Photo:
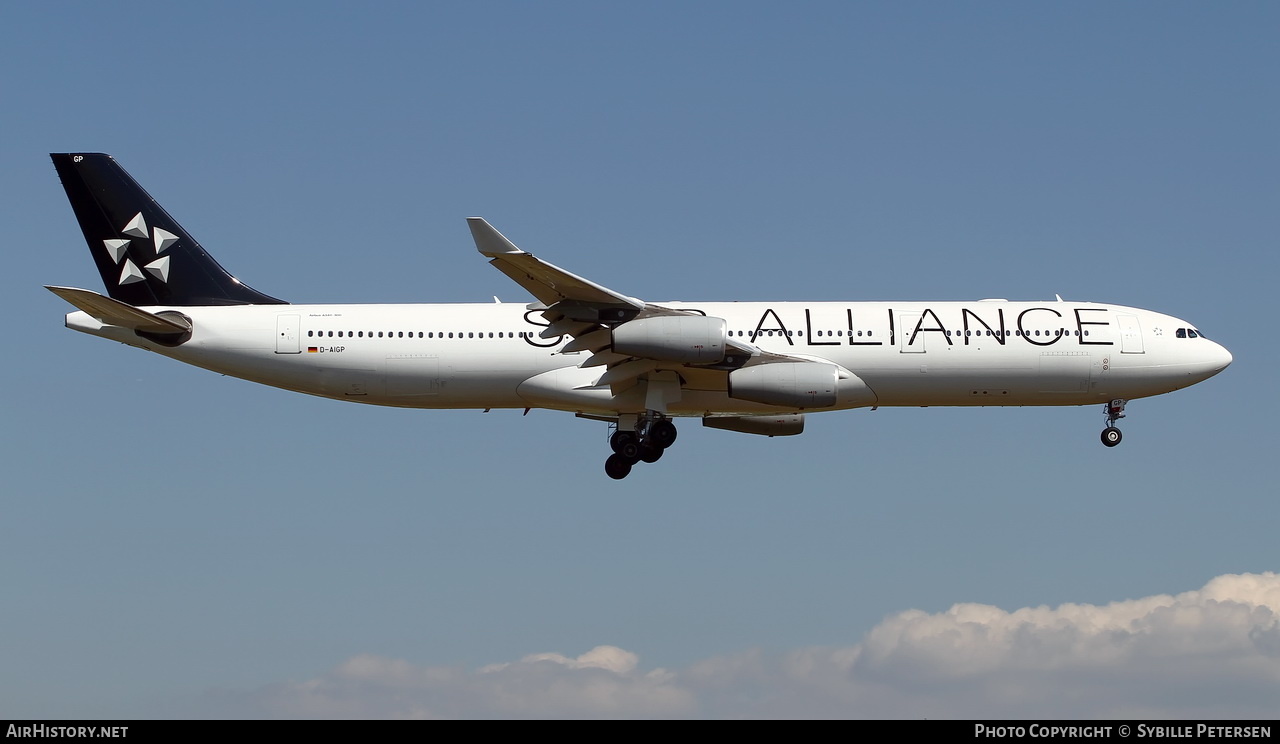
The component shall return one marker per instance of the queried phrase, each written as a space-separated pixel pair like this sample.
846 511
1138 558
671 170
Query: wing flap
602 358
567 327
627 371
592 341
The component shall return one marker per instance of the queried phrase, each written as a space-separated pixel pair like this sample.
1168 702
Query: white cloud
601 657
600 683
1213 653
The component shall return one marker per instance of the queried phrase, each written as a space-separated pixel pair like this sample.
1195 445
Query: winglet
489 241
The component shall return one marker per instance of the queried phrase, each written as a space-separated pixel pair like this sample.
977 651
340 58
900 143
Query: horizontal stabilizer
117 313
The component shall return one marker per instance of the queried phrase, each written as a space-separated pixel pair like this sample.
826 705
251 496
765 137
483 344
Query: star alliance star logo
118 249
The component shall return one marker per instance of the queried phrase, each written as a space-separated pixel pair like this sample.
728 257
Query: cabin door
1130 334
287 334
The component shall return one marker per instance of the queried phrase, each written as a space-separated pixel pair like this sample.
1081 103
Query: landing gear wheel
663 433
617 467
624 443
1111 436
650 452
619 438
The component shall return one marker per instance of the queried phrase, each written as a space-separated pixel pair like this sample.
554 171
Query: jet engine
787 384
688 339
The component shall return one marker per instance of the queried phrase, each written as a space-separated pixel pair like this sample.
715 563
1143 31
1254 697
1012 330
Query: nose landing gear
652 436
1111 436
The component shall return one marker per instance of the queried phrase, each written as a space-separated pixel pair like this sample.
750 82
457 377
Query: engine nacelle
690 339
783 425
787 384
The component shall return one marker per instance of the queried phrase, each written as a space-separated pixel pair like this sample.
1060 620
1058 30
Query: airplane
579 347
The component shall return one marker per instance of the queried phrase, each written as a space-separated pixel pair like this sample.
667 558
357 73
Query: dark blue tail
144 256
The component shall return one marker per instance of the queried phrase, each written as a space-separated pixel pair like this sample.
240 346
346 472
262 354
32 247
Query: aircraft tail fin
144 256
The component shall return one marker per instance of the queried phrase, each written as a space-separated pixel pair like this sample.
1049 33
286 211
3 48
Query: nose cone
1211 359
1221 358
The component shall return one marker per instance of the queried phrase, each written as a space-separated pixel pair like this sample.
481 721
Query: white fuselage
990 352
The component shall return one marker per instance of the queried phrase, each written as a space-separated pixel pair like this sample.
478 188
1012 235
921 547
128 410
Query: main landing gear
652 436
1111 436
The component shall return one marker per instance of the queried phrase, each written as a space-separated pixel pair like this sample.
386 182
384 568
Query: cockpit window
1192 333
1182 333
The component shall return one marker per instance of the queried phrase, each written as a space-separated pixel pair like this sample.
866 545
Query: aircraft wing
550 284
587 312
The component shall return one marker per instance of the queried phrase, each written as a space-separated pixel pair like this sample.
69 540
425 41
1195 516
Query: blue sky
176 543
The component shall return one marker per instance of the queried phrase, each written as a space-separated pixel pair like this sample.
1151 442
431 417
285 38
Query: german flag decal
313 349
